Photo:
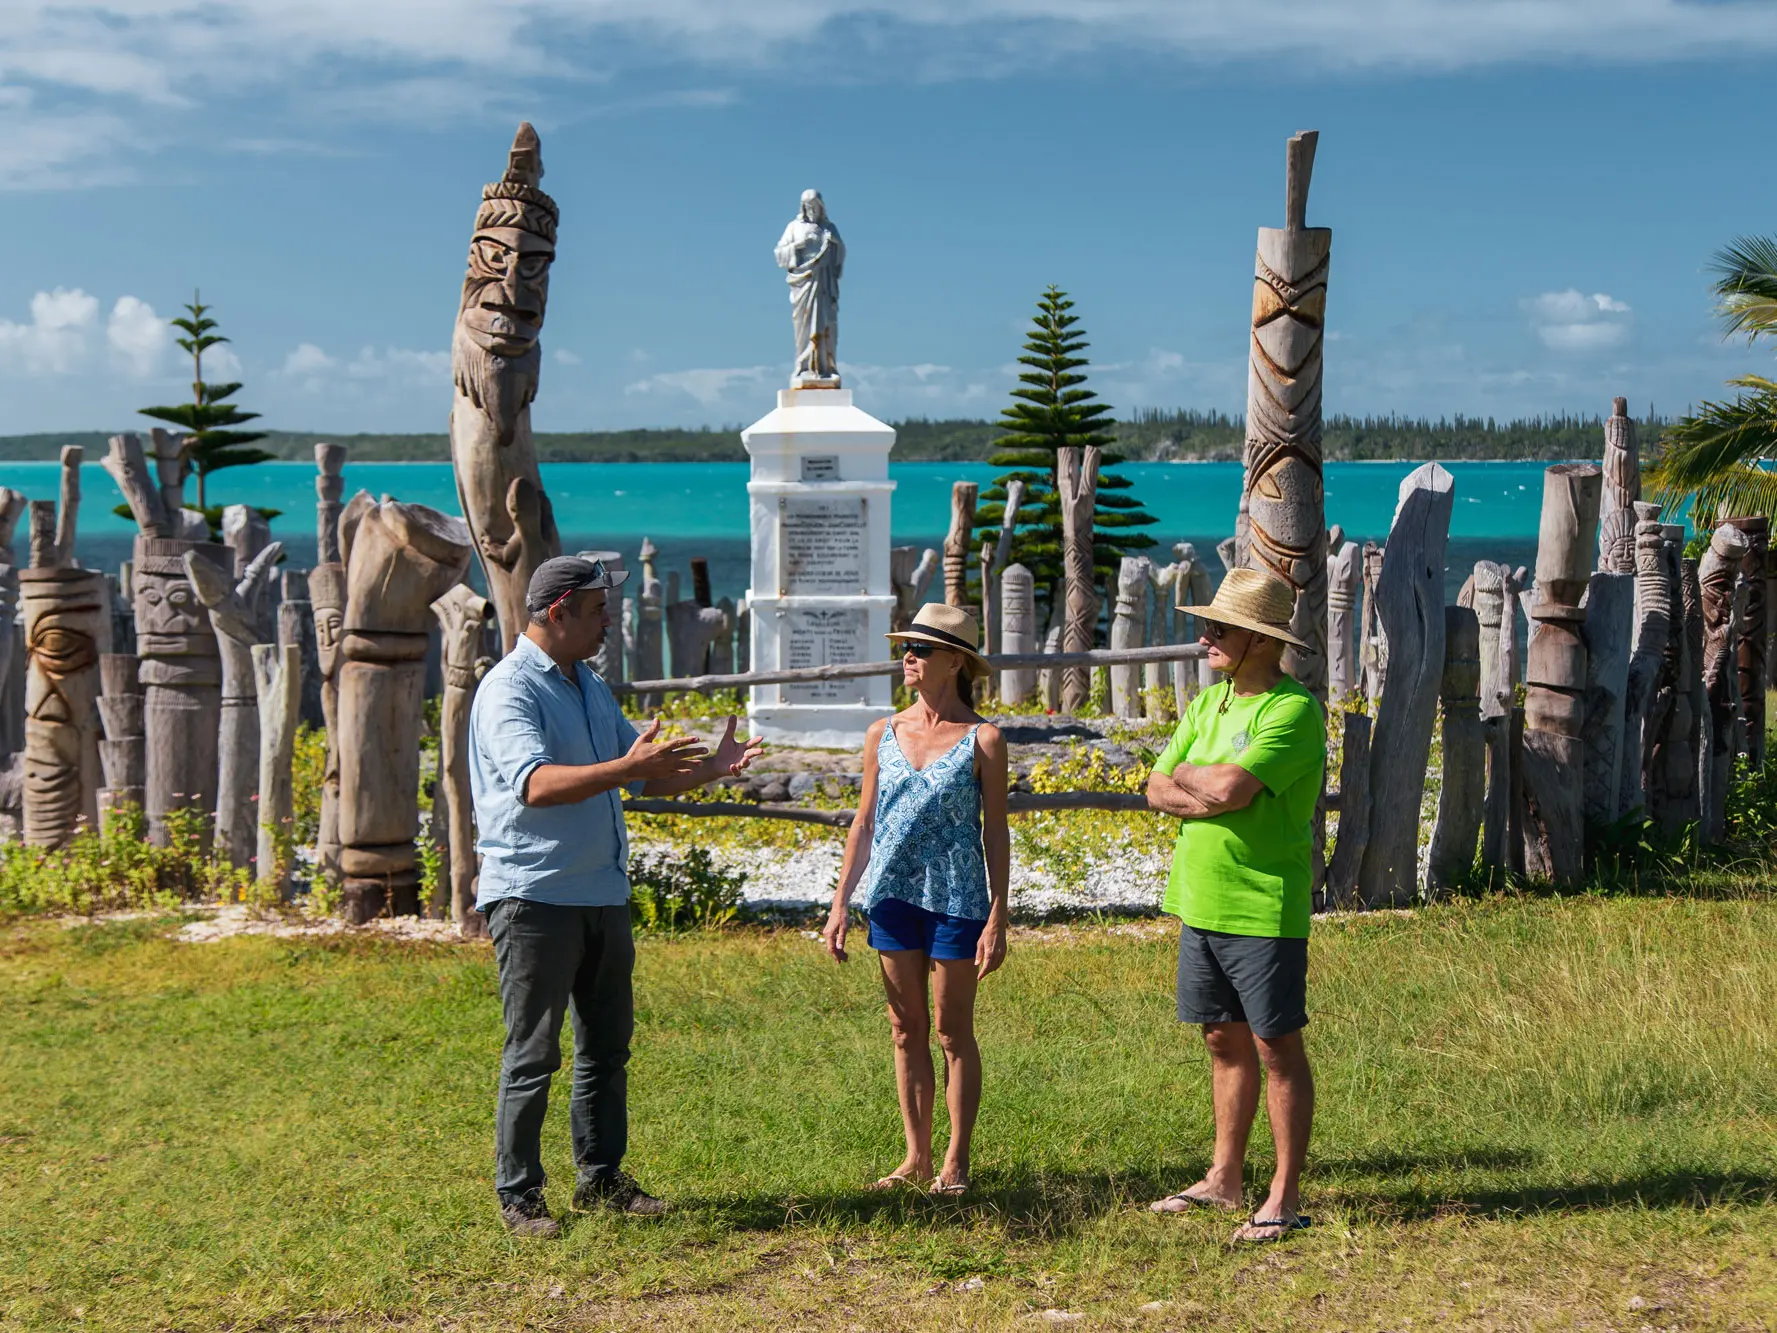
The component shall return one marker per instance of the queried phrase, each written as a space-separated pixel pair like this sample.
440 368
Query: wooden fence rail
1168 652
1018 802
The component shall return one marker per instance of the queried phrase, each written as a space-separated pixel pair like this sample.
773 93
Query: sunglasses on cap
598 576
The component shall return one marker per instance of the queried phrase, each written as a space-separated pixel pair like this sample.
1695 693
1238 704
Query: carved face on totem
328 623
167 604
506 290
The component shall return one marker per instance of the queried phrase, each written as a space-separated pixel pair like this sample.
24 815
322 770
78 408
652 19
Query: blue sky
1524 196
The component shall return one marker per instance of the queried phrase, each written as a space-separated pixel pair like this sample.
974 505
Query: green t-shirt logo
1239 743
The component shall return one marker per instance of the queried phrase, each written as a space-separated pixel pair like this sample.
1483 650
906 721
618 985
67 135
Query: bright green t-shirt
1247 872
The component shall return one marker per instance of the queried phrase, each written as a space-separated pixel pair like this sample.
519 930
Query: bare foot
1204 1194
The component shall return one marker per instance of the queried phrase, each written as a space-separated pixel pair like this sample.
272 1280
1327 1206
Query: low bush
119 869
672 891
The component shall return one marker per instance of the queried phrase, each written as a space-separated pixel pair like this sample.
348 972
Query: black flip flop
1286 1225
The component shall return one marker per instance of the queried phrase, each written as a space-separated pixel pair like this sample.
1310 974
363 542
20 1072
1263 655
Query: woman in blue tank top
931 849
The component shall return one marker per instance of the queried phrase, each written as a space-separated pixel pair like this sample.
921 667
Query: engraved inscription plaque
820 467
823 546
817 638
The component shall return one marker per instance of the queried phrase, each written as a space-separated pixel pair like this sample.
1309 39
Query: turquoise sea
700 509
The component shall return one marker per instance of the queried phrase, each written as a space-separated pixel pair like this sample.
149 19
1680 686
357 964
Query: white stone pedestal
820 588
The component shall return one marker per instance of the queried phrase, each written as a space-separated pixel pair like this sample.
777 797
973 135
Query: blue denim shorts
896 925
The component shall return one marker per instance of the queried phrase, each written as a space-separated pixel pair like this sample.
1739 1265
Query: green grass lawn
1533 1114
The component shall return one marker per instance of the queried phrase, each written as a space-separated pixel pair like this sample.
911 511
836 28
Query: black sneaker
529 1216
619 1193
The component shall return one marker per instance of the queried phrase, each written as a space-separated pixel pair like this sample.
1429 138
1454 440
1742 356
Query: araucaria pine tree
1052 409
210 446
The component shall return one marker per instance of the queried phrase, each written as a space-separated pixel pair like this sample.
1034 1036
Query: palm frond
1743 490
1700 449
1747 285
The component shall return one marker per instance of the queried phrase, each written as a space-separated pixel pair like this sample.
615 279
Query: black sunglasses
920 649
1215 629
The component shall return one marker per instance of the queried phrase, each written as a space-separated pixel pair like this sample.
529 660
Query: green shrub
119 870
670 891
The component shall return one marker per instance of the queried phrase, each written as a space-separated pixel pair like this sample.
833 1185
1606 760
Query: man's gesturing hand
650 759
733 756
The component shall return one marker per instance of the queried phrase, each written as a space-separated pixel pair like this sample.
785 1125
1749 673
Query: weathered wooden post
330 489
1555 675
1156 677
1283 502
1622 488
495 363
1653 631
1372 642
957 543
235 615
1717 573
1077 473
649 659
68 512
1018 634
461 613
1410 612
1677 722
1195 587
296 628
123 752
1461 797
1127 619
1355 813
67 619
1608 633
1750 643
990 619
1495 612
910 574
399 560
277 676
1345 579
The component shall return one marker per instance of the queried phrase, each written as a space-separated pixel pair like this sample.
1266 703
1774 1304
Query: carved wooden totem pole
1608 633
1460 799
1345 579
1555 675
67 615
1622 488
495 362
1752 639
123 754
1018 631
1410 611
327 598
1653 632
911 572
1077 472
1283 503
235 614
399 560
1127 620
461 614
1489 592
1676 714
956 545
1195 586
1372 641
1717 574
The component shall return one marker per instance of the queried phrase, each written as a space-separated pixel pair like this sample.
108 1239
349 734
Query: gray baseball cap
565 575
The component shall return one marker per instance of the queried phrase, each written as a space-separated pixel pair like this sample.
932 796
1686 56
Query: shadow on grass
1050 1205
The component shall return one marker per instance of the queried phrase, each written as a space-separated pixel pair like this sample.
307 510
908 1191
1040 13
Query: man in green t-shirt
1242 774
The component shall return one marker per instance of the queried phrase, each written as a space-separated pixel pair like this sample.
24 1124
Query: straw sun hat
1255 600
948 627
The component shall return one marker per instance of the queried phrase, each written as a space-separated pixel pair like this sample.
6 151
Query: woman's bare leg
953 987
904 980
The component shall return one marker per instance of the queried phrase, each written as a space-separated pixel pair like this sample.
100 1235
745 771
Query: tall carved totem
1282 525
67 614
495 361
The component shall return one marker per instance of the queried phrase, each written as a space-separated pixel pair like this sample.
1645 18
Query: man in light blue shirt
549 750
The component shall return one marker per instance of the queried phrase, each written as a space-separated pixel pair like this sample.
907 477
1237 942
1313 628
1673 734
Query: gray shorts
1249 979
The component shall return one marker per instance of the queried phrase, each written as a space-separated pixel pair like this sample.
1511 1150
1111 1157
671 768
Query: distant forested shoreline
1149 435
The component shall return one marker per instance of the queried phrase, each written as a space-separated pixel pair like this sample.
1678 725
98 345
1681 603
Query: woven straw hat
1255 600
948 627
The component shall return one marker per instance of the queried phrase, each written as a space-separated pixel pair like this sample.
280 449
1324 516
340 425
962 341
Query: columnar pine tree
1052 410
209 446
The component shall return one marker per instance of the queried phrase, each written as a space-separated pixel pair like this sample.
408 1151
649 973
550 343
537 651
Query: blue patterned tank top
926 849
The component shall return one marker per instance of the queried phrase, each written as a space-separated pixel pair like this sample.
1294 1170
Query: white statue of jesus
814 256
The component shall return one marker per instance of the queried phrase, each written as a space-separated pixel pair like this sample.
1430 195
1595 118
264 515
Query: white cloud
400 365
708 387
221 364
55 341
78 77
563 357
1571 321
138 337
306 360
